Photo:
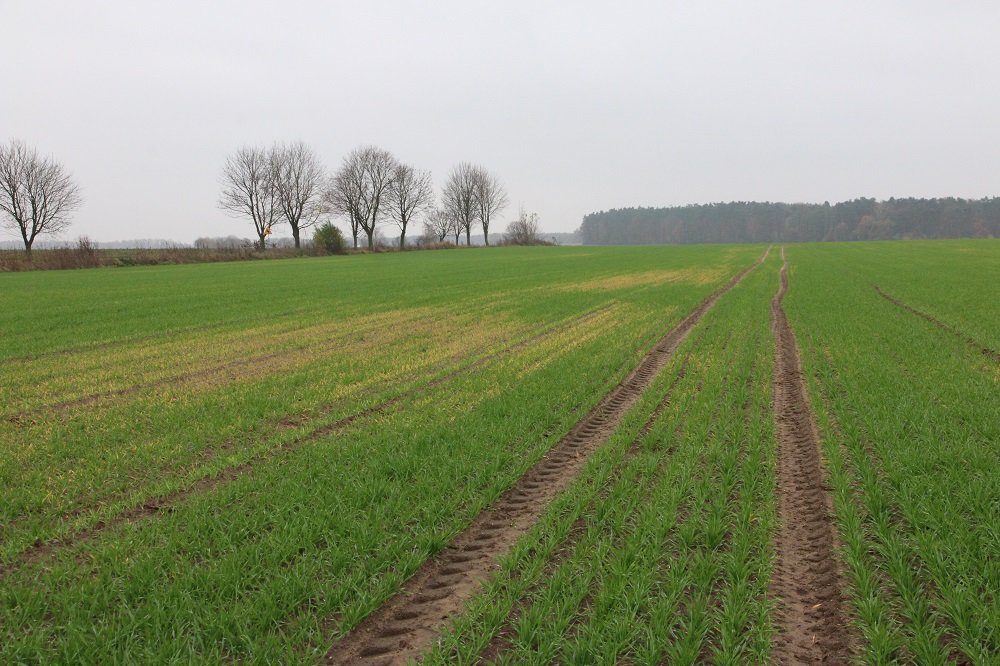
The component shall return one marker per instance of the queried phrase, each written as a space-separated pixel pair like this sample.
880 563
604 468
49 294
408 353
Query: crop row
252 487
295 550
100 460
47 314
66 469
956 282
660 551
909 417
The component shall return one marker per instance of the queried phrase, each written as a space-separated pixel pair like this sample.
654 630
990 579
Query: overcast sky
577 106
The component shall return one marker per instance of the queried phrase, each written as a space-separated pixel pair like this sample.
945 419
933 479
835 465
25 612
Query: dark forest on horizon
766 222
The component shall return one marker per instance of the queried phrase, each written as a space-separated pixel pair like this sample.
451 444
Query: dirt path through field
811 623
410 621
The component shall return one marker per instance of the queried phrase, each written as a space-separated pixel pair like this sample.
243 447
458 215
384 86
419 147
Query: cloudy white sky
577 106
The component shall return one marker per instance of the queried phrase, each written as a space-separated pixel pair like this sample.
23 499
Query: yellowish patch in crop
581 332
401 352
646 279
399 346
108 374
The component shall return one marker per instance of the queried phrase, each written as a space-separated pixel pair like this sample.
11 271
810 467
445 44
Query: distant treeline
753 222
137 243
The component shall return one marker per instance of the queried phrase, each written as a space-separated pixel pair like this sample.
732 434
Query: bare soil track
812 626
985 351
507 632
409 622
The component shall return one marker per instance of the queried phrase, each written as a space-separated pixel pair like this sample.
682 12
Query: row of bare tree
282 184
287 184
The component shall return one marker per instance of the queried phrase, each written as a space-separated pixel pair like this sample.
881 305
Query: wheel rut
409 622
806 584
985 351
501 642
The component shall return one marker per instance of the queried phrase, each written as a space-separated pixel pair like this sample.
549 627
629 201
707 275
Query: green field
246 462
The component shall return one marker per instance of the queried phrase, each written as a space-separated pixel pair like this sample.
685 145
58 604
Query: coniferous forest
756 222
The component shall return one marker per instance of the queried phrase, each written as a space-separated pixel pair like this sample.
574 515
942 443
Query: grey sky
577 106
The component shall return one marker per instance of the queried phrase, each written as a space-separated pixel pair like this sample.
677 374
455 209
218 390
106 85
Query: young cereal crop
910 417
249 484
660 551
578 455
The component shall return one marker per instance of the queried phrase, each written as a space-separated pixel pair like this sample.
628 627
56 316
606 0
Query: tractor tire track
862 459
42 549
507 633
806 584
407 623
985 351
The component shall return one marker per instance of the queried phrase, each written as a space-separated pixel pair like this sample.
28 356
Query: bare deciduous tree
248 190
358 189
343 194
409 193
490 198
458 198
523 230
438 224
298 177
37 194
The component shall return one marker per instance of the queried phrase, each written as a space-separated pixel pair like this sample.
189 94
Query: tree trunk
468 236
295 235
371 242
402 240
486 236
263 243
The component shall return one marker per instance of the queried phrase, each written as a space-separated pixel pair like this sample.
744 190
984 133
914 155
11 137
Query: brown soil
410 621
985 351
42 549
806 584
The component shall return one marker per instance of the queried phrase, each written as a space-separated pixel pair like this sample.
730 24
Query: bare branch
248 190
342 195
358 189
298 177
458 198
438 224
37 194
523 230
410 193
490 198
